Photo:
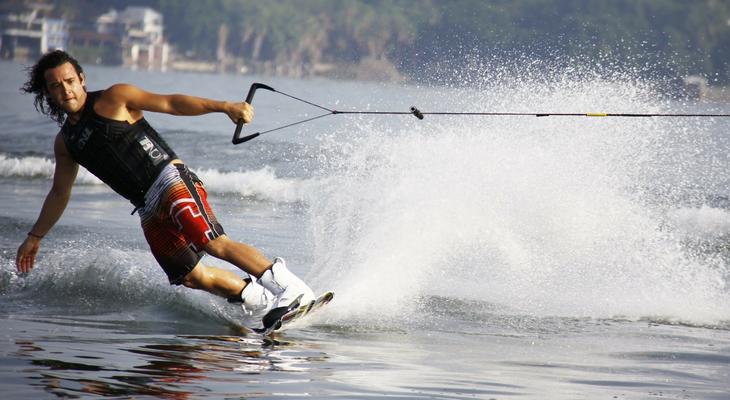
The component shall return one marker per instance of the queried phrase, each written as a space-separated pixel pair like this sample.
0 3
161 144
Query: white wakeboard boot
289 291
255 301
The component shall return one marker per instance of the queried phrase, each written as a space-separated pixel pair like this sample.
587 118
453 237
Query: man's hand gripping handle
249 98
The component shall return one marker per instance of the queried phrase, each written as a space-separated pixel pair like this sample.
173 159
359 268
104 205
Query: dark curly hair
36 83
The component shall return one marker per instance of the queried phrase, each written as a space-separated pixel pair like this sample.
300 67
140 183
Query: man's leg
254 299
217 281
187 205
275 277
241 255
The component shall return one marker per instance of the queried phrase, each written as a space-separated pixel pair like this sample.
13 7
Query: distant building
94 47
139 30
27 36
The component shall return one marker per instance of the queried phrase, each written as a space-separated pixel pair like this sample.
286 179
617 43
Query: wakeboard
279 321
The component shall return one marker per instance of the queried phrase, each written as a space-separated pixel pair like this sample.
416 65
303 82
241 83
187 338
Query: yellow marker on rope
596 115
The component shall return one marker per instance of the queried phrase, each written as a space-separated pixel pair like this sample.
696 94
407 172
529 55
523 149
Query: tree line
674 37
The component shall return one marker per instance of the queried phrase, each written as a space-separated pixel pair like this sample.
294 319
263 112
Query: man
105 131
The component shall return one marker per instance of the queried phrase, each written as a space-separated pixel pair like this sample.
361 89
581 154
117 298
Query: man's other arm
53 207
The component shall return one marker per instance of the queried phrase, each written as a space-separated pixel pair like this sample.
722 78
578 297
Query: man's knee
218 246
195 278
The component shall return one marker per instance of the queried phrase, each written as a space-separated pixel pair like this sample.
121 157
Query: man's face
65 88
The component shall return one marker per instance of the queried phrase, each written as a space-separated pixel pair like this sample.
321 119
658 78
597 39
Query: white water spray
542 216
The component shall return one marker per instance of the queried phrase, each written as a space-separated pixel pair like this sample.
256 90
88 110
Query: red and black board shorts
177 221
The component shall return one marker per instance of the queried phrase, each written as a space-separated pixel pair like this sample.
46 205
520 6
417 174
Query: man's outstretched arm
53 207
124 102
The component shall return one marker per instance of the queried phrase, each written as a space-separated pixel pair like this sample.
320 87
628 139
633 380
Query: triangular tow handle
237 139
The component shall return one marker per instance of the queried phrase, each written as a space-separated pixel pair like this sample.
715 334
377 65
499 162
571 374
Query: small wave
26 167
38 168
262 184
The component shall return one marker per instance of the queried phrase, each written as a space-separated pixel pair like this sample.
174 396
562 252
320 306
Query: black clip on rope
416 112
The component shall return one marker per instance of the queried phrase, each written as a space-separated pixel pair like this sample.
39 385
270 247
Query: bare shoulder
119 93
114 102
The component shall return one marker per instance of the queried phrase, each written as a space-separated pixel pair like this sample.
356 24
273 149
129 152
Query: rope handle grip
237 139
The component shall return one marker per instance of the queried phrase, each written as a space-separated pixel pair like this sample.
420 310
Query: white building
140 29
27 36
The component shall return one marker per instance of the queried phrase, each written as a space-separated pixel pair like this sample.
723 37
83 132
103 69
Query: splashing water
545 216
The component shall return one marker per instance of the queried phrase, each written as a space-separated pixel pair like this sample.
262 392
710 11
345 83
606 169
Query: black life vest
127 157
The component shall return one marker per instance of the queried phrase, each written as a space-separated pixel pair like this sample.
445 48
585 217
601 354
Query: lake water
472 257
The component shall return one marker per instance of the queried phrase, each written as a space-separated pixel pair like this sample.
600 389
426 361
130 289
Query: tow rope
237 139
